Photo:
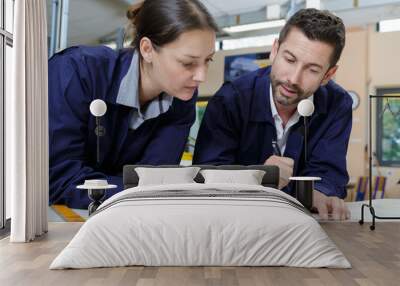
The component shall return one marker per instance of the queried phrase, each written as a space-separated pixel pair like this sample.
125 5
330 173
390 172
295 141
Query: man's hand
330 205
285 165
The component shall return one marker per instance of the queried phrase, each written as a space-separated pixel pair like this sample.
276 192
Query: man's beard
284 100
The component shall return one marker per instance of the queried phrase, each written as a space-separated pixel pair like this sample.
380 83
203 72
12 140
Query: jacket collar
261 107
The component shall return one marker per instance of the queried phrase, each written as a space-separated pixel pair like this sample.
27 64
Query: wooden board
375 256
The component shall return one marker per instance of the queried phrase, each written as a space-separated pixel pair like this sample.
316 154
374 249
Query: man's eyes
187 64
290 60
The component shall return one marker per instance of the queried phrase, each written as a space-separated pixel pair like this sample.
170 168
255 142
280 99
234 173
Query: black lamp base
97 196
304 193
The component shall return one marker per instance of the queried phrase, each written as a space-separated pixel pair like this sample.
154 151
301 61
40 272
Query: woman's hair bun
133 11
163 21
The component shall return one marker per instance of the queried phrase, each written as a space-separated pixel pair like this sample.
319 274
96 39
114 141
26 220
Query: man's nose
295 77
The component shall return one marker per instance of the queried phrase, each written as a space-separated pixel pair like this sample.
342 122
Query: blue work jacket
238 128
79 75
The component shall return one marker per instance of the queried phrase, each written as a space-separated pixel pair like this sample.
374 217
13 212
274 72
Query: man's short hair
318 25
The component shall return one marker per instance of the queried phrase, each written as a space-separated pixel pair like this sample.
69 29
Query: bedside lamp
97 188
98 108
305 108
304 186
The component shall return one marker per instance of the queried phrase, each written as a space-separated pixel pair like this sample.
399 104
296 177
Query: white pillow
166 176
248 177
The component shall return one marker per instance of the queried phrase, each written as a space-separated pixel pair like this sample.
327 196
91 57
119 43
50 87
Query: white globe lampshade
98 107
305 107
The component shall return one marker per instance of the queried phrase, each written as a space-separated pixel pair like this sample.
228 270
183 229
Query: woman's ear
146 49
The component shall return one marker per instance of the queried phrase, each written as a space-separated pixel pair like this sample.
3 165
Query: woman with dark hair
150 91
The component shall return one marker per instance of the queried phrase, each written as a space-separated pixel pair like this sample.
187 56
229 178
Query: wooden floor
374 255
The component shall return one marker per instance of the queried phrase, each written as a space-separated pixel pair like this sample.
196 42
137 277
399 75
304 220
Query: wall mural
238 65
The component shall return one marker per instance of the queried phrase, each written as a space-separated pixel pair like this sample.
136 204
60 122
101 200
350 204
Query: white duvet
183 230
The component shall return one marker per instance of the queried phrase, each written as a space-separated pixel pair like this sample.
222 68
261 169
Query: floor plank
374 255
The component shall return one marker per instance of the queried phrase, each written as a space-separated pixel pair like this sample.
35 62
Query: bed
224 216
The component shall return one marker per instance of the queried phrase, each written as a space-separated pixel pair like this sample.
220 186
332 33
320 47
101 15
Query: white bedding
183 230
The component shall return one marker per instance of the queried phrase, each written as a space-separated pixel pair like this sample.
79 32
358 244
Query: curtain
27 123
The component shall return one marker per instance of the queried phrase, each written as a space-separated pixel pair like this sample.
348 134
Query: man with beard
250 118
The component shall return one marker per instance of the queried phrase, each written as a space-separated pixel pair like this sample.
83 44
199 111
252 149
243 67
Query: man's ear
329 74
274 50
146 49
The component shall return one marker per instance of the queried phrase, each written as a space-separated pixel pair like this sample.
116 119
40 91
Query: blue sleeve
168 142
328 158
218 139
70 93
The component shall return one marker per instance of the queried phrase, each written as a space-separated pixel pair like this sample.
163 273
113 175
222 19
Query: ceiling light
389 25
250 42
255 26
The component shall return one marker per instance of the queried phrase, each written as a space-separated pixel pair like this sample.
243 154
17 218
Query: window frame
6 39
